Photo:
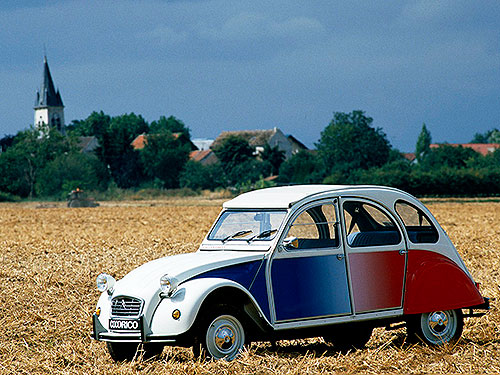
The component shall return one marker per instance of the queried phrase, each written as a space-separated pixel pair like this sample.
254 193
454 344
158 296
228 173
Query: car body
295 261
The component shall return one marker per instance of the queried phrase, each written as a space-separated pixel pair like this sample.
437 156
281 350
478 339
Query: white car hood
144 281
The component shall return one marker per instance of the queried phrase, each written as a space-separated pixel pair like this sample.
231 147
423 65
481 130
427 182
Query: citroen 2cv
291 262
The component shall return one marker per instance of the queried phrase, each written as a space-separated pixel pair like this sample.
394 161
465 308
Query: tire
346 337
437 327
221 335
127 351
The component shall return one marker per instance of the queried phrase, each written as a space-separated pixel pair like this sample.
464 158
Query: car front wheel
437 327
222 335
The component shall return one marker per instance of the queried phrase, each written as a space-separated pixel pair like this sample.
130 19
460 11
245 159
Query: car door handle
403 252
340 256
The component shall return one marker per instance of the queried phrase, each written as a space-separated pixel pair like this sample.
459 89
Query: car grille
126 306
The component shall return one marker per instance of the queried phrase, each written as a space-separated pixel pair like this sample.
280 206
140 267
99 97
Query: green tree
197 176
274 156
170 124
350 142
21 164
423 144
116 151
449 156
163 158
69 171
302 168
94 125
232 151
491 136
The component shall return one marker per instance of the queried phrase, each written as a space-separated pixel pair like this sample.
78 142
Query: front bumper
100 333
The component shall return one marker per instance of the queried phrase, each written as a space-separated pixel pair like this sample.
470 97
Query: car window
247 225
315 228
367 225
417 224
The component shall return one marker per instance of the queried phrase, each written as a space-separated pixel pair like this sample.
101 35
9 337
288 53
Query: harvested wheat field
51 256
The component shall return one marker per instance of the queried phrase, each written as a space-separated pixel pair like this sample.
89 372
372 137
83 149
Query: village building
259 138
49 107
481 148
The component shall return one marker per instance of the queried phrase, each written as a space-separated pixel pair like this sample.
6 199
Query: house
259 138
205 157
481 148
86 145
141 140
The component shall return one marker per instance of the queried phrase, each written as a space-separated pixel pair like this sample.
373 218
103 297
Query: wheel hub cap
224 338
438 322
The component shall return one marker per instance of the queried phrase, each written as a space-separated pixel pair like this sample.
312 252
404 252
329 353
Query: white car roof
285 196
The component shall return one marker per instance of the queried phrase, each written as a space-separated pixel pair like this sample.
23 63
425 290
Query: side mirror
291 243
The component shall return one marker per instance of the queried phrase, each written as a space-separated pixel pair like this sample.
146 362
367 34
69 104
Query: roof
482 148
297 142
199 155
47 96
253 137
87 144
142 139
409 156
279 197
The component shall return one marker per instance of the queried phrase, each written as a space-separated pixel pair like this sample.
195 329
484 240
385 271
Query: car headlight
168 284
105 283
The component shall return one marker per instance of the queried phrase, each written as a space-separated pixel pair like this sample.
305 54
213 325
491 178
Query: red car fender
434 282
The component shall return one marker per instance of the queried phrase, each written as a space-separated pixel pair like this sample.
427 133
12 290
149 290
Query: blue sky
234 65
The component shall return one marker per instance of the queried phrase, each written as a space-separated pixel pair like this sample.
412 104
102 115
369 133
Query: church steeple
49 107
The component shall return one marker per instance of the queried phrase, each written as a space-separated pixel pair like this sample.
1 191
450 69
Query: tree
491 136
350 142
94 125
448 156
302 168
117 153
69 171
170 124
232 151
274 156
423 144
163 158
21 164
197 176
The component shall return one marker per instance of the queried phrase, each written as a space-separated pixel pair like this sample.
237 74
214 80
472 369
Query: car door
376 253
308 274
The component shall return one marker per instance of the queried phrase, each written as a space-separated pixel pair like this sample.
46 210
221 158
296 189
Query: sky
235 65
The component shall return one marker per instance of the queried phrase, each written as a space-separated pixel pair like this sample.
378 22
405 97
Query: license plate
124 324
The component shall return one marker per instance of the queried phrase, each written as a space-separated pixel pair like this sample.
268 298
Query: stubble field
51 256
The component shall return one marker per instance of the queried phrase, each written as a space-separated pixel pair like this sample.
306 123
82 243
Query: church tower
49 108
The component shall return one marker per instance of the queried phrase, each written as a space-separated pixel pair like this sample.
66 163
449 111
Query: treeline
351 151
44 163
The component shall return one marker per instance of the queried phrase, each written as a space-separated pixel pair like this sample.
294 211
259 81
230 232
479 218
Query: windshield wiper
237 234
266 233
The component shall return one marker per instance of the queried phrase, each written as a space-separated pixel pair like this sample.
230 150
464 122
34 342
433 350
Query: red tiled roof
198 155
409 156
482 148
139 142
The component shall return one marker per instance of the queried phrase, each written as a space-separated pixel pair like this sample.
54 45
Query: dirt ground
50 257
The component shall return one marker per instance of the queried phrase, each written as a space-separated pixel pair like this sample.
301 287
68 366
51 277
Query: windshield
247 226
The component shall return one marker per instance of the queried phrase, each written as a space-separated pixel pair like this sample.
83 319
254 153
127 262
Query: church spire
49 107
47 96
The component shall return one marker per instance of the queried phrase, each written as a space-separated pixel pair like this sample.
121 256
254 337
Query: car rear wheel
221 335
437 327
127 351
349 336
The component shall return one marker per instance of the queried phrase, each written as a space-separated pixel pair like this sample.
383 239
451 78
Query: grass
50 257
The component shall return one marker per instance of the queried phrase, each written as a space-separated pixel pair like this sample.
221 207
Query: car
295 262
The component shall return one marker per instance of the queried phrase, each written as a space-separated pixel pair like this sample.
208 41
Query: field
51 256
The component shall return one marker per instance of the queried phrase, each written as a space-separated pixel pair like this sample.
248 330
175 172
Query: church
49 107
